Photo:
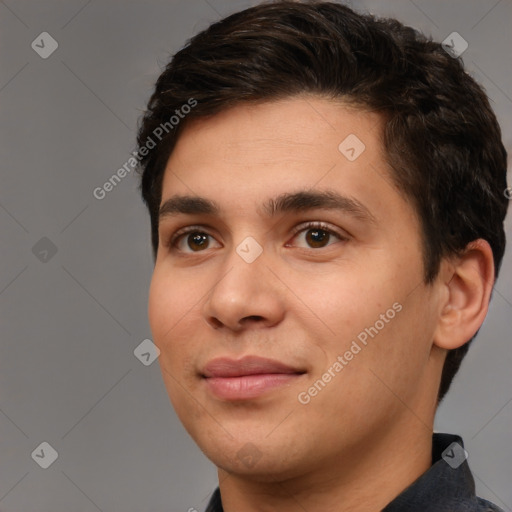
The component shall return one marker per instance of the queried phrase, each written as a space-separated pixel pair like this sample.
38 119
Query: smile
247 378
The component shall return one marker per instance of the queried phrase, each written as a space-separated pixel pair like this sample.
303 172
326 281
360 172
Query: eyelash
320 226
176 237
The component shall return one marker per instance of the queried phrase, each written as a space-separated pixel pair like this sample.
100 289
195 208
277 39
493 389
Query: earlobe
468 286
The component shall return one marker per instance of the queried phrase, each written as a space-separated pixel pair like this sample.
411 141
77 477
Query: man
326 192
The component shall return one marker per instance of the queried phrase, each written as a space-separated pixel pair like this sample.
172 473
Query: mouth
247 378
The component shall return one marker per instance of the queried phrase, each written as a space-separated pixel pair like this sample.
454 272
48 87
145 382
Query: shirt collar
447 486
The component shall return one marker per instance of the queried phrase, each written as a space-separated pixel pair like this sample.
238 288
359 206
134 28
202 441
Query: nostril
215 322
252 318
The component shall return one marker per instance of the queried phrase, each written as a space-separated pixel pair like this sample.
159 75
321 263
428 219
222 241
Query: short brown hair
442 139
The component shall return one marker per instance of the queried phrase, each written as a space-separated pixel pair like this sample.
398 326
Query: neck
365 479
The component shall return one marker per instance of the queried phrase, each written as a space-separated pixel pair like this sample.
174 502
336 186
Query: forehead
248 154
307 134
304 127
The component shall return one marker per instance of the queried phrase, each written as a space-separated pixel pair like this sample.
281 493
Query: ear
467 281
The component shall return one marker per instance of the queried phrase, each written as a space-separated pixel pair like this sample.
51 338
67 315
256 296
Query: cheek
373 315
344 303
395 358
171 322
170 300
173 318
160 309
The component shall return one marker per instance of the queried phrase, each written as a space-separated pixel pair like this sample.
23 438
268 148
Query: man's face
336 294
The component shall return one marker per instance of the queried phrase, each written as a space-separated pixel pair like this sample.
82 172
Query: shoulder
487 506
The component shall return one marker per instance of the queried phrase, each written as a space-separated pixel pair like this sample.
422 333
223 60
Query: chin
268 463
264 470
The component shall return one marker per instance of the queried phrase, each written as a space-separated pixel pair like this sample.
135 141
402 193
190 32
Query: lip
248 365
247 378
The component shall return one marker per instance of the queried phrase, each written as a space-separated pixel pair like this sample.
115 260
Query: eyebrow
302 200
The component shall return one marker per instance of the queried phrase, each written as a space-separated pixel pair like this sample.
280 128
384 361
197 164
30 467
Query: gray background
69 325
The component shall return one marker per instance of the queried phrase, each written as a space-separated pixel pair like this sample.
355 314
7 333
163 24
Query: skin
367 434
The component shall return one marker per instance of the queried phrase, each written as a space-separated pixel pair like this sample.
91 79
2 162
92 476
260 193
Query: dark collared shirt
448 485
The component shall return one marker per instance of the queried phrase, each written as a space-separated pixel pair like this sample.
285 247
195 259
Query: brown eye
197 241
191 239
317 237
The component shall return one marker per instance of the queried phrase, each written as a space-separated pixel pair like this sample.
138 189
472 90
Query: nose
246 294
